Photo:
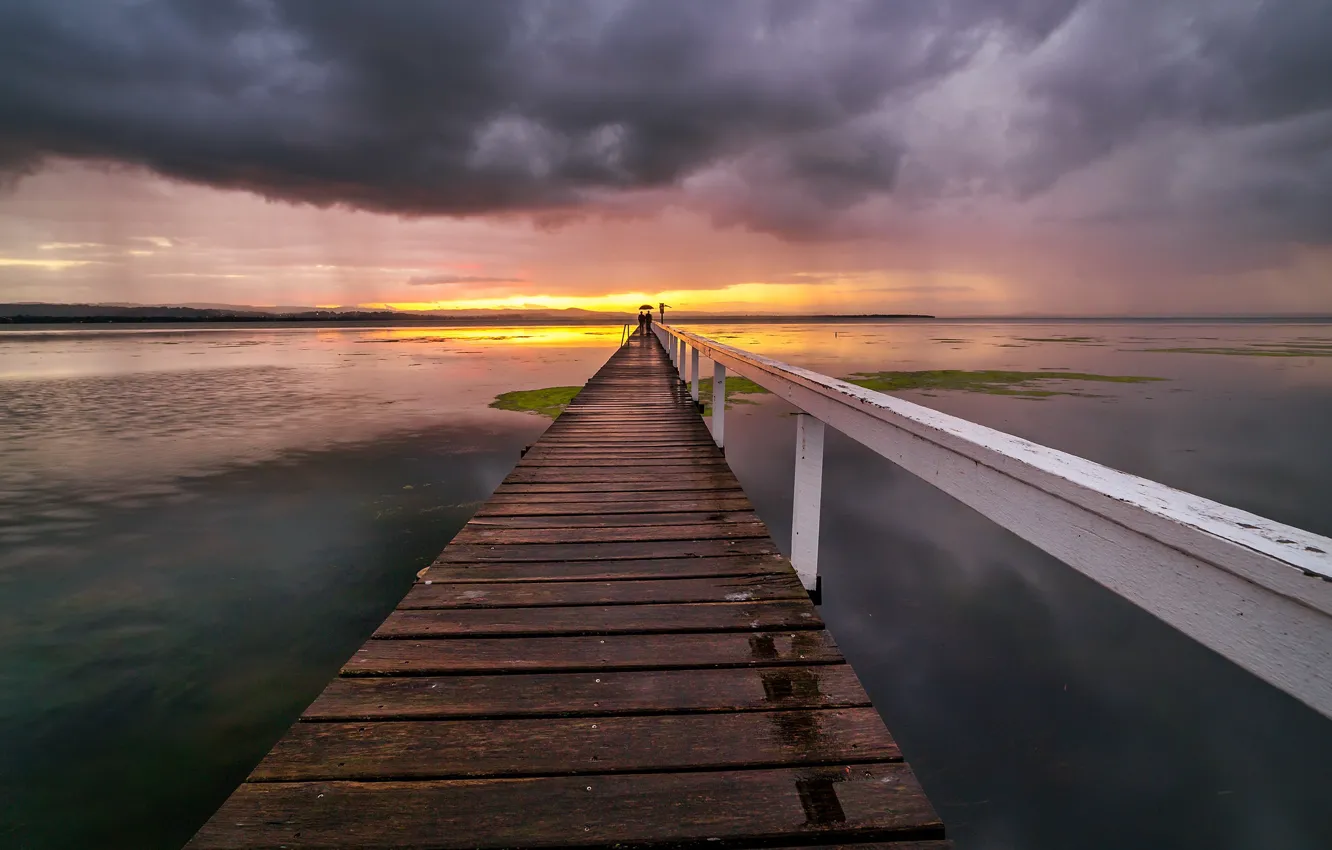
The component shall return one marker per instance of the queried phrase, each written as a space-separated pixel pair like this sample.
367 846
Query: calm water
197 527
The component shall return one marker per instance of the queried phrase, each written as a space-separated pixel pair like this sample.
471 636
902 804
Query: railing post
718 403
693 372
684 362
807 503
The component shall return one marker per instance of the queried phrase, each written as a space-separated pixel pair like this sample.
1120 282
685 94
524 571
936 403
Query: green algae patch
550 401
1031 385
735 386
1278 351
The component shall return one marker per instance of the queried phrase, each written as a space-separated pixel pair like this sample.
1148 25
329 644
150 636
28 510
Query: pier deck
612 652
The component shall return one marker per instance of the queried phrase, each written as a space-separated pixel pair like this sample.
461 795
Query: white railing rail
1255 591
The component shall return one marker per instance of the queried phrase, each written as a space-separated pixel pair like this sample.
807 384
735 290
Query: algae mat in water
549 401
991 381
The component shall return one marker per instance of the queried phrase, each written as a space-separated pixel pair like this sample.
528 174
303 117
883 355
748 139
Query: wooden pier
612 653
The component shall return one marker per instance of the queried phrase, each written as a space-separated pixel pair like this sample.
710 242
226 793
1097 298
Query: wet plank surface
611 653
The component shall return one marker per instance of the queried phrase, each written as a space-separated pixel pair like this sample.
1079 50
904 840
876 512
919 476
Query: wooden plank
582 694
557 456
615 502
603 519
645 462
671 449
483 534
460 749
444 594
613 652
657 431
653 425
702 485
643 473
804 805
600 619
471 553
629 428
676 418
624 570
633 437
594 445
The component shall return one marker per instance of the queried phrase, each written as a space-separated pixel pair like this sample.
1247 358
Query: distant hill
43 313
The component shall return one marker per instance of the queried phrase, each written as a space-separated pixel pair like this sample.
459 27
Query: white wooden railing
1255 591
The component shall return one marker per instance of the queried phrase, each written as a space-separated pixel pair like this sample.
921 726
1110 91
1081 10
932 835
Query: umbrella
645 306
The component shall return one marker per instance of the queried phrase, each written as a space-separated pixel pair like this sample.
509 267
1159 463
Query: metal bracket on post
807 504
718 403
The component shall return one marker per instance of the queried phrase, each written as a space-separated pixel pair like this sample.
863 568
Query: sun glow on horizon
849 295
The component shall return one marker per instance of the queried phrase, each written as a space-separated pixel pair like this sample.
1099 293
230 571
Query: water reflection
197 527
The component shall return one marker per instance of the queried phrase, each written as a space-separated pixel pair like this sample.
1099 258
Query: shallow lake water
198 526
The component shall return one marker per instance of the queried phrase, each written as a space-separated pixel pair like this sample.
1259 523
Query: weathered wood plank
613 652
628 478
468 552
615 502
655 427
558 457
629 569
646 462
820 804
555 441
581 694
679 484
602 519
600 619
444 594
460 749
482 534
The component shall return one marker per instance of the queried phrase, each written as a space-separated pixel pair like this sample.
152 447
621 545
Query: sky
954 157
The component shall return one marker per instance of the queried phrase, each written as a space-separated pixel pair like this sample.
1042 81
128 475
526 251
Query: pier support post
718 403
807 503
693 373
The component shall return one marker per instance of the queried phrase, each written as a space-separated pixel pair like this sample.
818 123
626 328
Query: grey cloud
784 116
459 108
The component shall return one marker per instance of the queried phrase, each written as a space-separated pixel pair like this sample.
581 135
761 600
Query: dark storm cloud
421 108
432 107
